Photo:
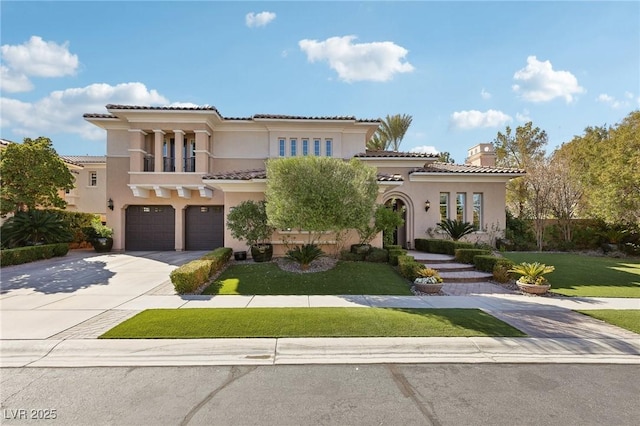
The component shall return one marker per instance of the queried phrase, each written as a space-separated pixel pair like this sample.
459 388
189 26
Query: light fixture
110 204
427 205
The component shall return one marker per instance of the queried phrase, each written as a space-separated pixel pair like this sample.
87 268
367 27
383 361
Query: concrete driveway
42 299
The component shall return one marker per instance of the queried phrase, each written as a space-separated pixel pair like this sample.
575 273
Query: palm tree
390 133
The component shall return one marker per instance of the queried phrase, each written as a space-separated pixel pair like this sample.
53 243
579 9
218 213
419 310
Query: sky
463 70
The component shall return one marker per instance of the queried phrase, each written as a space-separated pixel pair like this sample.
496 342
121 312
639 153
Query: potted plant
428 281
100 236
531 277
248 222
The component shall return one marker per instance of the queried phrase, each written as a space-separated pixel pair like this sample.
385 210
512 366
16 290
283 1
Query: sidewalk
51 318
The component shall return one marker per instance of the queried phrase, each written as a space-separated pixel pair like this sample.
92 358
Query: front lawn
628 319
347 278
587 276
309 322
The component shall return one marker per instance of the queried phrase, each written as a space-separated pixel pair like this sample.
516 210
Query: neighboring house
175 173
89 194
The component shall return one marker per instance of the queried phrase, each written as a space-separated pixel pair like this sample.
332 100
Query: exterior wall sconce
427 205
110 204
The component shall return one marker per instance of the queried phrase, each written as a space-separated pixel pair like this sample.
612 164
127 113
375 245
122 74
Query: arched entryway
403 235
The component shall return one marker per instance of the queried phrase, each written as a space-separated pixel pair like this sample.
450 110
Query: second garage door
204 227
150 228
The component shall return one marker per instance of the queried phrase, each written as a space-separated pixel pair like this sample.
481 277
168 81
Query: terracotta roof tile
262 174
99 116
465 169
83 159
162 108
394 154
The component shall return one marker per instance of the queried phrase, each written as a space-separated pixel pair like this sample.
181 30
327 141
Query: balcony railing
168 164
189 164
149 164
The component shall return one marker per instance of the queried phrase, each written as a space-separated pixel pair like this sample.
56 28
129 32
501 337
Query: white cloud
612 101
184 105
523 117
39 58
259 19
61 111
13 82
425 149
485 94
476 119
377 61
628 95
538 82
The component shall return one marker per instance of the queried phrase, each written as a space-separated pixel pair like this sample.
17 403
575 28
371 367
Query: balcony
149 163
189 164
168 164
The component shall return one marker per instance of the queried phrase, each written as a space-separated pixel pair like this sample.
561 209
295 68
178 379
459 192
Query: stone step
465 276
450 267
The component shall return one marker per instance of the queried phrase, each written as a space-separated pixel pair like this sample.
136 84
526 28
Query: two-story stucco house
89 192
174 173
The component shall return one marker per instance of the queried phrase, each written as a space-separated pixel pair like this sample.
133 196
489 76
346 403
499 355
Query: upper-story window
316 147
294 147
282 147
305 146
328 148
93 178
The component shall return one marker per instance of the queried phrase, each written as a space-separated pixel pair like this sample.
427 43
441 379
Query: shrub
393 255
408 267
34 227
445 246
28 254
422 244
305 254
351 257
377 255
190 276
485 263
429 275
392 247
501 270
465 255
532 273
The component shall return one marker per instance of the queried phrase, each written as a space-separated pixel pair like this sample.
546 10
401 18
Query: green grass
309 322
628 319
587 276
347 278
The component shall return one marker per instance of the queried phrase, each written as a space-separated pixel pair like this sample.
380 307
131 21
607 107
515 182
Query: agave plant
456 229
532 273
304 255
428 276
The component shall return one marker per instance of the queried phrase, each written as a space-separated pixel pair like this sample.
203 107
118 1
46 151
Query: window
460 210
282 147
294 147
93 178
328 151
477 211
444 206
316 147
305 146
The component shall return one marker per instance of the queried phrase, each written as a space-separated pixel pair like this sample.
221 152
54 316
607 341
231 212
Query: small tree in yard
320 194
32 175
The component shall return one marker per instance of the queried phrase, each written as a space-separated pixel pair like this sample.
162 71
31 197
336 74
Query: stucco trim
461 177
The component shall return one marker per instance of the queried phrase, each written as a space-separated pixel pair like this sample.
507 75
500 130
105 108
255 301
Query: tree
566 193
390 133
320 194
32 175
518 151
445 157
538 184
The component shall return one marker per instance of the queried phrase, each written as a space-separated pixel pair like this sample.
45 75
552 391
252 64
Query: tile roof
465 169
394 154
212 108
83 159
262 174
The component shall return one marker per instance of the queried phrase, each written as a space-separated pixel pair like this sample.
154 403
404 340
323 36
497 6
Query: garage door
150 228
204 227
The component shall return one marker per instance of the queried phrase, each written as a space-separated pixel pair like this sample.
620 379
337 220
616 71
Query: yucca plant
532 273
35 227
456 229
305 254
428 276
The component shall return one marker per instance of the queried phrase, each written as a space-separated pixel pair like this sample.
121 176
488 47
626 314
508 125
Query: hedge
377 255
393 255
487 263
434 245
190 276
464 255
28 254
408 267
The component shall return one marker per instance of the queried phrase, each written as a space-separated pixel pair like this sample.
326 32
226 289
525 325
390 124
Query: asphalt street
382 394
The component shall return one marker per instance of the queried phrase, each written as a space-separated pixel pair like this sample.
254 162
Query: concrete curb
289 351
